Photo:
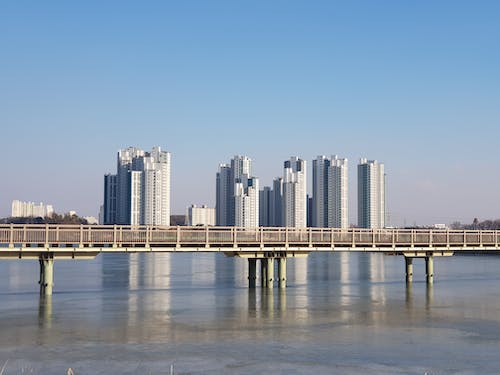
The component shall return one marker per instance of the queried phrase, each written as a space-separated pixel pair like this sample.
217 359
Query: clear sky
413 84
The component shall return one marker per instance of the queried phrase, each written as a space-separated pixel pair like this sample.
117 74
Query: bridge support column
270 273
263 273
282 272
252 272
46 274
429 269
409 269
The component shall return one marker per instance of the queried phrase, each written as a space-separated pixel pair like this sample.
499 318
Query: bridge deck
88 240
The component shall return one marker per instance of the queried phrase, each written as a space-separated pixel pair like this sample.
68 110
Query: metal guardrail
117 236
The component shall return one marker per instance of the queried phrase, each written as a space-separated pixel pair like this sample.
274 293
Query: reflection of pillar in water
429 295
409 295
282 301
203 269
45 311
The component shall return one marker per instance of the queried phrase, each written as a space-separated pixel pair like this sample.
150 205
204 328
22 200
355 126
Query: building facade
31 209
371 194
200 215
237 194
139 193
294 203
330 192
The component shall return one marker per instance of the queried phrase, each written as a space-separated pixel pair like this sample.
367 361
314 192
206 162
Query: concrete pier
263 273
46 274
282 272
409 269
252 272
270 273
429 269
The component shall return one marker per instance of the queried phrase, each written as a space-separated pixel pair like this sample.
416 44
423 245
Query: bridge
50 242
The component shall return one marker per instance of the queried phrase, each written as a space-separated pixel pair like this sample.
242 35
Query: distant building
294 193
271 204
200 215
139 193
371 194
31 209
237 194
91 220
330 192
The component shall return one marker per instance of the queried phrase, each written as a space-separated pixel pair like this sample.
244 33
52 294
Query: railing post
261 231
480 238
373 237
465 238
394 238
115 230
47 235
286 237
353 240
332 241
310 238
233 232
207 238
81 236
147 236
412 243
11 240
178 239
448 238
430 238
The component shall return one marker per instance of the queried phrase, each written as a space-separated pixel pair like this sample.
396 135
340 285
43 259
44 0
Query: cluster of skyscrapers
286 203
31 209
139 193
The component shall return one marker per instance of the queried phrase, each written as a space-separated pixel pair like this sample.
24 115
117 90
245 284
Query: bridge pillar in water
252 272
263 273
409 269
429 269
46 274
270 272
282 272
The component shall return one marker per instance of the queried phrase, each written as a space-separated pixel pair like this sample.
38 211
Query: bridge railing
157 236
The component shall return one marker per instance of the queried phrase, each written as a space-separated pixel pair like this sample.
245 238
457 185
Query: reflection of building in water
297 270
377 267
345 280
149 271
203 269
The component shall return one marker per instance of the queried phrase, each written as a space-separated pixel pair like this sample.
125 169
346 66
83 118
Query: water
193 314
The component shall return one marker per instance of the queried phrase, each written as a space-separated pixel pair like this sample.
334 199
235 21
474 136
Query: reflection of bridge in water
267 245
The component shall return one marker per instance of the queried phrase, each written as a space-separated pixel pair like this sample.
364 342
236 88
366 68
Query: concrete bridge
47 243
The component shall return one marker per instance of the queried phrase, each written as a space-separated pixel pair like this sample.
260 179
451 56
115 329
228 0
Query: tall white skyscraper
237 194
246 203
139 193
330 192
371 194
294 193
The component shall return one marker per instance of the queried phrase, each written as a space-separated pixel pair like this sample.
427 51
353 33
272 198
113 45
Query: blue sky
415 85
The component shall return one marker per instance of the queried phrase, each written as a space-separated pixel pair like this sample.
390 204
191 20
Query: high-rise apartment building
294 193
371 194
270 203
31 209
200 215
139 193
330 192
237 194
